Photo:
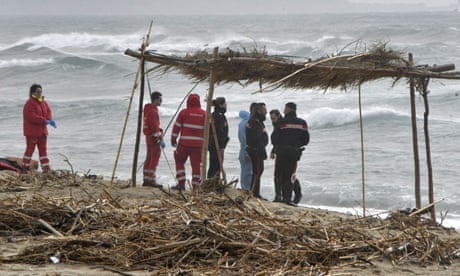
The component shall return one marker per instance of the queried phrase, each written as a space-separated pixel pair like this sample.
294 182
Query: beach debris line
212 232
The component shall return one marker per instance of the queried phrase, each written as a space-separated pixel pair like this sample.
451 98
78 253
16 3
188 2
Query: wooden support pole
136 79
144 46
363 182
418 199
206 124
428 148
139 125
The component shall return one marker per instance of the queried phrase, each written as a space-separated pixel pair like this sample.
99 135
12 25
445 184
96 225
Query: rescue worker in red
221 130
189 130
256 141
36 116
154 140
289 137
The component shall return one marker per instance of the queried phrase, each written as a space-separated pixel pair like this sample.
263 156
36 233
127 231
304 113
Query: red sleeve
177 126
49 115
151 121
157 132
31 114
148 119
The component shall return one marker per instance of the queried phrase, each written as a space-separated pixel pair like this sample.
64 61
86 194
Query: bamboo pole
219 155
206 125
124 126
145 44
418 200
363 184
139 125
428 148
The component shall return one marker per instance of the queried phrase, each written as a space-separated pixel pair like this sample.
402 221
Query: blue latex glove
51 123
163 144
173 144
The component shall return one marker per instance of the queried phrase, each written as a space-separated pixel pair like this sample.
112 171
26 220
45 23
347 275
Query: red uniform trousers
40 142
181 155
152 159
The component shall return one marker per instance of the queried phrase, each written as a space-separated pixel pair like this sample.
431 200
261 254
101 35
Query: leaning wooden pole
144 46
206 124
136 79
363 182
418 199
428 148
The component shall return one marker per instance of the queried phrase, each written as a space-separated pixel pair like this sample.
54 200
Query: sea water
88 82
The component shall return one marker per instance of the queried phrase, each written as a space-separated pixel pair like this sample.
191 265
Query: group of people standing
187 138
290 135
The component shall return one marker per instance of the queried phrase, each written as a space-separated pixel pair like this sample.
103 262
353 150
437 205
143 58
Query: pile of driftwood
214 232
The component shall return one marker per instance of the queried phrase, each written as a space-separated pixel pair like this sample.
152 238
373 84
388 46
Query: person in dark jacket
290 138
37 115
220 129
275 117
256 141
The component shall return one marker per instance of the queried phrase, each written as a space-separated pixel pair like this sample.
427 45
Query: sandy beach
26 247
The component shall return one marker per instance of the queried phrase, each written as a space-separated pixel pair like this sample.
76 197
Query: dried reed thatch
341 71
214 233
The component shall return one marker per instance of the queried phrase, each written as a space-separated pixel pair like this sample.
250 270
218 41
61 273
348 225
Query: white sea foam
330 117
26 62
81 40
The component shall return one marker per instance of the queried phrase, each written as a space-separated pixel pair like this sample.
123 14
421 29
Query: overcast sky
158 7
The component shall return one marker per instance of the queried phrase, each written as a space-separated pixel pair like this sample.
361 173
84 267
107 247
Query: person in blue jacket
245 160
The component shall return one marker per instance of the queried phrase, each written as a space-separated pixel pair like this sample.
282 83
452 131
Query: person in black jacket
290 138
221 130
256 141
275 117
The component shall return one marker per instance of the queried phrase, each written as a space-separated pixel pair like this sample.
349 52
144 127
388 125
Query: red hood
193 101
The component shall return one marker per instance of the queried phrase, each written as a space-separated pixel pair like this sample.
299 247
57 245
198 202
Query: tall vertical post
144 46
139 124
418 200
428 148
363 175
207 121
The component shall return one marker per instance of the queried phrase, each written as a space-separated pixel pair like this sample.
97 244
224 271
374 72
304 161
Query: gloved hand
51 123
163 144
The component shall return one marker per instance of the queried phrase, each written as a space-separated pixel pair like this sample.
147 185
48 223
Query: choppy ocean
87 81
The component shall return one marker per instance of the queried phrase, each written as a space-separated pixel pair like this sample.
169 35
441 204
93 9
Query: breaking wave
25 62
328 117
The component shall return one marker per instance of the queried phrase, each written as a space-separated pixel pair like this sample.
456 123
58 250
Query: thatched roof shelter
341 71
335 71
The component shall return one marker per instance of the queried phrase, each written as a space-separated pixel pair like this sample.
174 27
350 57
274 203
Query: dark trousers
214 164
257 170
278 191
287 164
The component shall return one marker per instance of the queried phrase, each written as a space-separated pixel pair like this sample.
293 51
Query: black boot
297 191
